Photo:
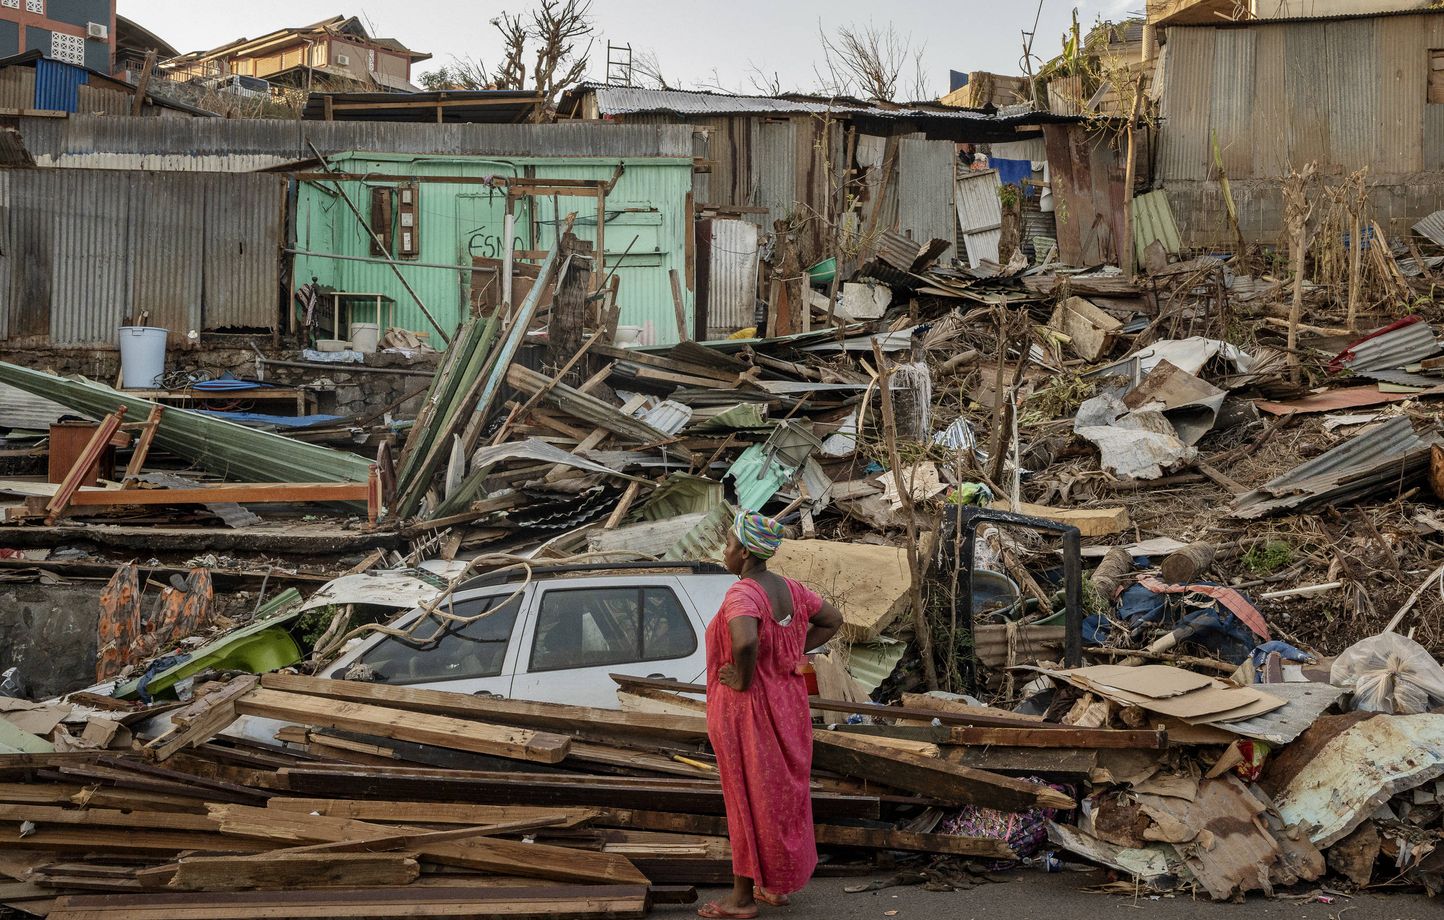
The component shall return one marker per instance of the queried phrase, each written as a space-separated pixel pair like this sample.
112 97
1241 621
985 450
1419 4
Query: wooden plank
434 812
483 854
441 731
620 902
932 777
142 446
123 841
38 793
1096 738
101 817
295 871
539 790
889 839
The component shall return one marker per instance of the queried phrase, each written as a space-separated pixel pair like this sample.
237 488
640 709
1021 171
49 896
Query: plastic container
365 337
823 272
331 346
142 357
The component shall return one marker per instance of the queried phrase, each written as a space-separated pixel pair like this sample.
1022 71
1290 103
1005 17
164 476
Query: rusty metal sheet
1399 81
980 214
242 251
1185 149
1361 769
1307 76
732 277
1270 154
1352 95
1231 108
924 169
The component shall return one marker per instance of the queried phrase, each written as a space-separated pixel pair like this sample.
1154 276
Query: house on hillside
336 53
77 32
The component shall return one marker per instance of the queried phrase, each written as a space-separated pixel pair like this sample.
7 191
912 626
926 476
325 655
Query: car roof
592 570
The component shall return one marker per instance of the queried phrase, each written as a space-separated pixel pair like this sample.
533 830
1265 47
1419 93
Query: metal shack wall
249 144
1277 95
646 211
196 251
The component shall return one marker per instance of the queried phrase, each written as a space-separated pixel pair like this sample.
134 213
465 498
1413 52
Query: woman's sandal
715 911
770 899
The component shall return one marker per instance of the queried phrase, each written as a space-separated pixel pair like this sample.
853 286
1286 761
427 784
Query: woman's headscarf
759 535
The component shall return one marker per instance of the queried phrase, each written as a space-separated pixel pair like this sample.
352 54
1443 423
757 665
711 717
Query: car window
462 652
596 627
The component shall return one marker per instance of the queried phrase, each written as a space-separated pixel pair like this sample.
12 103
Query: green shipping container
646 233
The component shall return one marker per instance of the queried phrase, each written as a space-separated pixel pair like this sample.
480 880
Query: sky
697 43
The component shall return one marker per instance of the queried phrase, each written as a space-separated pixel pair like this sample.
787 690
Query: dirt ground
1032 895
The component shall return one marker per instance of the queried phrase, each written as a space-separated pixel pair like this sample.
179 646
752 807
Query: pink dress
763 740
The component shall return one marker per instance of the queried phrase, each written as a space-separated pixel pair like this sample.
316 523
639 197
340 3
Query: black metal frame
969 518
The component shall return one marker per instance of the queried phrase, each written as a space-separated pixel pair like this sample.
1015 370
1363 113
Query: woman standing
759 720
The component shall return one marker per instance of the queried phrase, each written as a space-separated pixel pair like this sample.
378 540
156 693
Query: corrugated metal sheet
1184 149
1386 351
197 251
1390 456
57 85
732 277
926 170
1231 108
222 447
96 101
17 88
1432 228
774 169
980 214
19 409
1352 91
1270 151
1402 87
1153 220
248 144
1306 95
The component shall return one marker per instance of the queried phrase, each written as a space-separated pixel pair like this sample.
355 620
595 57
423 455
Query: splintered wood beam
1095 738
202 719
295 871
433 812
440 731
244 493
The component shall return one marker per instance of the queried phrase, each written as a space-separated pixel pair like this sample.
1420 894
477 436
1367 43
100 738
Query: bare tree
647 71
767 84
461 73
867 60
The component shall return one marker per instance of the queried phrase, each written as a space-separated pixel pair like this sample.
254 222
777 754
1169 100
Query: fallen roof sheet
542 452
216 445
1360 770
1387 456
1406 342
1432 228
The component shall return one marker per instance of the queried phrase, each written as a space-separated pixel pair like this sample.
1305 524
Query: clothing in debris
763 739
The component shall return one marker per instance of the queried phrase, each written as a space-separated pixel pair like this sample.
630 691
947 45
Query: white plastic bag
1390 673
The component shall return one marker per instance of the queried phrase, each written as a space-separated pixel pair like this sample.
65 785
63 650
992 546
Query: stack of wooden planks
361 799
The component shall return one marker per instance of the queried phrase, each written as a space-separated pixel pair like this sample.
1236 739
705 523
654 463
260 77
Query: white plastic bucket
142 357
365 337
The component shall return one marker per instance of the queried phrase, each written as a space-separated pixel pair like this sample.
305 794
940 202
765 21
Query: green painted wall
646 211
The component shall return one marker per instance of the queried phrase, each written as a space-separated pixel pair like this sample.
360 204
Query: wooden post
330 106
142 86
1356 269
680 307
915 567
142 447
508 259
1128 251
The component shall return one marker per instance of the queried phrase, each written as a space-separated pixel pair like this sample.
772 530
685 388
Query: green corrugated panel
1153 220
218 446
459 221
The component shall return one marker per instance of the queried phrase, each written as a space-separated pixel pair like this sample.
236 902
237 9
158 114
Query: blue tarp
260 420
1012 172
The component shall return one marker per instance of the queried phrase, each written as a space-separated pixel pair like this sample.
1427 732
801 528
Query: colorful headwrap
760 535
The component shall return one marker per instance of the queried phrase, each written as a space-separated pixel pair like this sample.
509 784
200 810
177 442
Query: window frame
1434 78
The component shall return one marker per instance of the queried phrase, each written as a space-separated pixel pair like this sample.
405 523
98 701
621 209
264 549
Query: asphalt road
1033 895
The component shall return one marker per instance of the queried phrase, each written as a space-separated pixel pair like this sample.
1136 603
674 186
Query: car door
579 633
475 655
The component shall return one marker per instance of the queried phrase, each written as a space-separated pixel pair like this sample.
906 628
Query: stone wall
48 632
1202 217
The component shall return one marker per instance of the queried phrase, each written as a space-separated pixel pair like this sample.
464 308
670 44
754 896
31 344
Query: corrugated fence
196 251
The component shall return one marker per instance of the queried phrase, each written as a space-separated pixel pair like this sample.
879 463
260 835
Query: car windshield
474 648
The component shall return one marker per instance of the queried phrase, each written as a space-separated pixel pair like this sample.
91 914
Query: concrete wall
48 632
1203 222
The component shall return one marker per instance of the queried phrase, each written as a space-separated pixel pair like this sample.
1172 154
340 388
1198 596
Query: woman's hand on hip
730 676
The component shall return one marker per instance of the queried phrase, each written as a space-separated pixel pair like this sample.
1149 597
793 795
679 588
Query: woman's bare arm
744 653
824 625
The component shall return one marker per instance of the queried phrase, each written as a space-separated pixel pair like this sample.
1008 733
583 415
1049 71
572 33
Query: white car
556 640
